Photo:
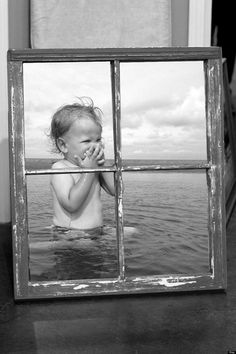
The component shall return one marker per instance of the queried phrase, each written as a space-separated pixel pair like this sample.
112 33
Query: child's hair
66 115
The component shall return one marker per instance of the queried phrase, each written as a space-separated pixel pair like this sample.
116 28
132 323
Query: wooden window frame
230 141
216 278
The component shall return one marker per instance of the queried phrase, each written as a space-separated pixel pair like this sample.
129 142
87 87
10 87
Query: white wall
19 23
4 166
179 21
14 33
199 23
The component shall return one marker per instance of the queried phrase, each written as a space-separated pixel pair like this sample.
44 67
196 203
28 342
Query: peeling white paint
81 286
118 101
105 282
212 265
74 285
17 279
213 225
170 281
168 284
120 209
21 199
12 97
46 284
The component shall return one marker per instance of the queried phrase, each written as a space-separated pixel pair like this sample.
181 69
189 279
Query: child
76 132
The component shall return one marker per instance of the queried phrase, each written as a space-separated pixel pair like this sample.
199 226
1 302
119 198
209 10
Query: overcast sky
162 106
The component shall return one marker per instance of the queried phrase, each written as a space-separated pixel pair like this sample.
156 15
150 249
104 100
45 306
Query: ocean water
165 229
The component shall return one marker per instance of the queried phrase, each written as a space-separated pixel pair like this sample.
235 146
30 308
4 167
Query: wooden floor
177 323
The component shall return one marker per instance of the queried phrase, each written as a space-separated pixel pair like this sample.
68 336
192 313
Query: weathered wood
216 277
137 285
230 185
120 54
69 170
18 180
197 166
215 149
116 105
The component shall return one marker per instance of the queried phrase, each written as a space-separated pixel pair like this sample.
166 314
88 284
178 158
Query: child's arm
72 195
107 182
106 178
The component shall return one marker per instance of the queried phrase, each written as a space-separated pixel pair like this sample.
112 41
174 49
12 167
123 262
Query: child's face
83 134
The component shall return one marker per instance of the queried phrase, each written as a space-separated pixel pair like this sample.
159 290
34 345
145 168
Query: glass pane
62 253
48 86
166 223
163 111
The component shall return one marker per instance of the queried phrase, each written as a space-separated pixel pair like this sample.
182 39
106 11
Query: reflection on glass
63 254
48 86
163 111
166 223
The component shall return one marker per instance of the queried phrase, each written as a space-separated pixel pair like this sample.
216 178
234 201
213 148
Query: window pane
48 86
163 111
166 223
64 254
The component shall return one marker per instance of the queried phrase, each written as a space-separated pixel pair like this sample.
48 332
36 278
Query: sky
162 106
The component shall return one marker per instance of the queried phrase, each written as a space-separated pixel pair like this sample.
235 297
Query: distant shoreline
46 163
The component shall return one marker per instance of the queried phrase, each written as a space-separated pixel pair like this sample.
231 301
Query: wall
19 23
179 20
15 33
4 167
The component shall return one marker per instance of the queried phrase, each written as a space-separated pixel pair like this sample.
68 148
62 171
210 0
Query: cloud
190 112
178 127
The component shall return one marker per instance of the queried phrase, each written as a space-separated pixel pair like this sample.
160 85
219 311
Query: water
166 230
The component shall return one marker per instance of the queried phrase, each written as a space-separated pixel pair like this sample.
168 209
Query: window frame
229 145
216 278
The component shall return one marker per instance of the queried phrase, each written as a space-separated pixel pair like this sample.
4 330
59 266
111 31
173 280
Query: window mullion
115 80
215 173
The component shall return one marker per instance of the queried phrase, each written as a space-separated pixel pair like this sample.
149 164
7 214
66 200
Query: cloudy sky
162 106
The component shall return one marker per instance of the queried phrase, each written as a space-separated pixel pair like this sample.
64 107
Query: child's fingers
90 151
96 151
101 162
100 155
78 160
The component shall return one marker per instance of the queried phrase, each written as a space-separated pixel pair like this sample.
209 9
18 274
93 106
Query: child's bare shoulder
58 179
59 164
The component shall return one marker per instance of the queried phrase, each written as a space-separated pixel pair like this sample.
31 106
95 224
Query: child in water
76 131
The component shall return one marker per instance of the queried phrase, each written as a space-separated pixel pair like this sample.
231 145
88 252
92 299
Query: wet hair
66 115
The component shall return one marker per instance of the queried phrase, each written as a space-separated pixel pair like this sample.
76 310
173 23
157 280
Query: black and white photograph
118 177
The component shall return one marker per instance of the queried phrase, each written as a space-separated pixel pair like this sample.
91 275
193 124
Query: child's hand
101 156
98 151
93 157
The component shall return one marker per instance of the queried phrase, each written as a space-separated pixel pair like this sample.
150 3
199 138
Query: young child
76 131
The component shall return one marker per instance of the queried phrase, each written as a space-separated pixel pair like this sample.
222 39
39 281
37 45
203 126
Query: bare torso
89 215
